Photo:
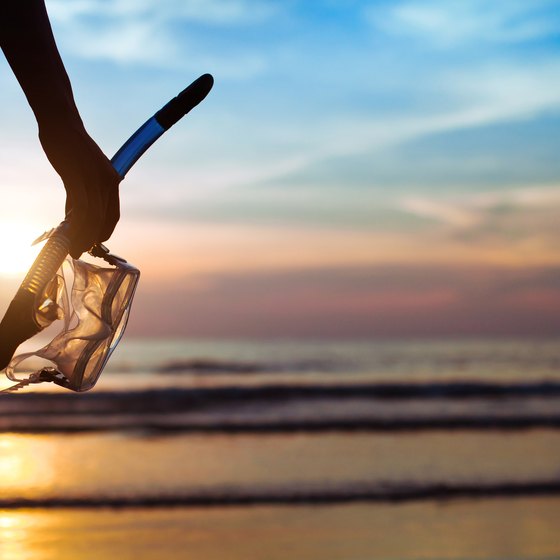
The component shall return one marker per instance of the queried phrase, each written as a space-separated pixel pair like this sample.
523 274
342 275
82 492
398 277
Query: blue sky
339 135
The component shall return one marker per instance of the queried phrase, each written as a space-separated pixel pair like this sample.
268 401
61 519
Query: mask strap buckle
45 375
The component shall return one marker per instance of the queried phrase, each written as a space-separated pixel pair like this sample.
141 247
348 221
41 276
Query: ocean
290 449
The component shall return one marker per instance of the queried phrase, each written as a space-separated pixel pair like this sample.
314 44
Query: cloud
209 12
478 96
449 24
522 222
441 211
125 42
469 209
152 33
475 97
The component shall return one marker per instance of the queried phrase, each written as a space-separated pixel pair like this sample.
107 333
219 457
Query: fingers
92 212
83 218
91 183
69 204
112 215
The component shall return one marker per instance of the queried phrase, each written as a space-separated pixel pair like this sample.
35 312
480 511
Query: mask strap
43 375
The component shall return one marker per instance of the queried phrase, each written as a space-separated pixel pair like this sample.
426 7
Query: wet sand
111 465
513 528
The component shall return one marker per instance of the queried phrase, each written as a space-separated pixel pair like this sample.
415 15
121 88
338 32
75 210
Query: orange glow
169 251
24 468
16 252
15 532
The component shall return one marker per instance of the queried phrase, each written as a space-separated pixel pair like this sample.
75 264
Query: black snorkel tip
188 99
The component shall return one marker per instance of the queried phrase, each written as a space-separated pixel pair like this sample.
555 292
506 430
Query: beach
247 449
475 529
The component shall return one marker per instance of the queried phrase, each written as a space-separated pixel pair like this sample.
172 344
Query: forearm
91 182
27 41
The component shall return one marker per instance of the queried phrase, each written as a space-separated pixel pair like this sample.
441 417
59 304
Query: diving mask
90 304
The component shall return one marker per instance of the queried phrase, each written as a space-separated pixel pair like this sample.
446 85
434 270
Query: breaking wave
340 494
204 366
290 407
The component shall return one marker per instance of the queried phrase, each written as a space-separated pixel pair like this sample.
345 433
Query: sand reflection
16 536
26 466
511 528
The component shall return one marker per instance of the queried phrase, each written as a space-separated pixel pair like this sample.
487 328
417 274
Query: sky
360 169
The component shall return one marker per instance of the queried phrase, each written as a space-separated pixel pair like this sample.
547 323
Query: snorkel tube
34 305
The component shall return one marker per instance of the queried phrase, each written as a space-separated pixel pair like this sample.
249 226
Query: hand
91 183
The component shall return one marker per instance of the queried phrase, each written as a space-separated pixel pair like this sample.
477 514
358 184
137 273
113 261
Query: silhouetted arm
91 183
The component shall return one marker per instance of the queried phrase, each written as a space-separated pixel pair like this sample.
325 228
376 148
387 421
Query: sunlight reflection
15 533
7 522
26 466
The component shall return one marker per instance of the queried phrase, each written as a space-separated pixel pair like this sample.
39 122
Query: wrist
57 111
63 126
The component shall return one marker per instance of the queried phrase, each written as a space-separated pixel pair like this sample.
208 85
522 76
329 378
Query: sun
16 252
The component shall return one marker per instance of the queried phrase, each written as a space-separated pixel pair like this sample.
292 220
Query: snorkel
35 307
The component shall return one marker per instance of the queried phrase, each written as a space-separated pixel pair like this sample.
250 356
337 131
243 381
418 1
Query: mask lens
93 313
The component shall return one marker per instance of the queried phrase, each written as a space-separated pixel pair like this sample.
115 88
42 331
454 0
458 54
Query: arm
91 183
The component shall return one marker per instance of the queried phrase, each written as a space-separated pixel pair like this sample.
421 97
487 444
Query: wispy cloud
476 97
444 23
153 33
467 210
210 12
522 223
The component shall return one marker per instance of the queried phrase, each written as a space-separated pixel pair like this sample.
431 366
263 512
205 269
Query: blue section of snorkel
136 145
